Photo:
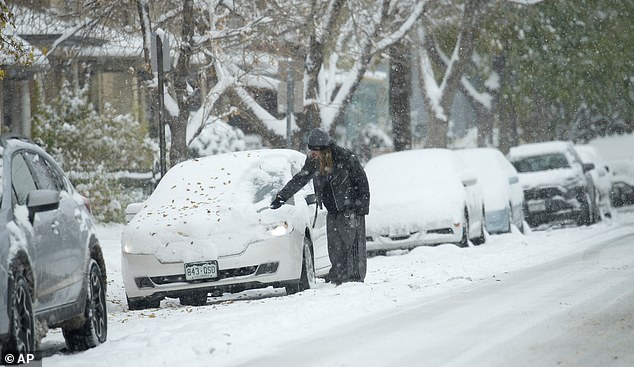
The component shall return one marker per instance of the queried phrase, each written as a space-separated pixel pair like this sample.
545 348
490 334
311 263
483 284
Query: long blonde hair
325 162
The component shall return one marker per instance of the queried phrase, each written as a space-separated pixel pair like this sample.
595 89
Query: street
574 311
557 297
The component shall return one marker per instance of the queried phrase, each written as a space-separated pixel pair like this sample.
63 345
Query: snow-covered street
544 299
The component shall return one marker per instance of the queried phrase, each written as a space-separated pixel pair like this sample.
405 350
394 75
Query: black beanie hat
318 139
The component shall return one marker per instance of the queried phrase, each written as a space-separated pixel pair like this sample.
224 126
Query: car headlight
280 229
573 181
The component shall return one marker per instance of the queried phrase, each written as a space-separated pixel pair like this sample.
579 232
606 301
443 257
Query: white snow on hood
207 207
555 177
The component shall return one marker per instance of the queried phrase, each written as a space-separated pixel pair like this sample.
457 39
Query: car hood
204 232
556 177
407 210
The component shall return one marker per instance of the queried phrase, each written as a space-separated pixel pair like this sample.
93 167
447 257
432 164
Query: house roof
55 36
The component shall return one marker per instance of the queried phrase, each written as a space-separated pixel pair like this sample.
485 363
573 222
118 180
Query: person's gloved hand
277 202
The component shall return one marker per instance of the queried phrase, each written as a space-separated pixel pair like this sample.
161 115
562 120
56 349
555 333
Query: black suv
52 271
555 183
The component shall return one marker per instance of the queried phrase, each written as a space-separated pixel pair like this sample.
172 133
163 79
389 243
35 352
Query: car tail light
87 204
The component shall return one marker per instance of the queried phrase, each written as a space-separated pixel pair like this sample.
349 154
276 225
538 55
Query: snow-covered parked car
52 271
422 197
622 175
601 179
207 228
503 194
554 181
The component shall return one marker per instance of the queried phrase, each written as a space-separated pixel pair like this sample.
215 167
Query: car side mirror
311 199
41 201
588 167
132 209
513 180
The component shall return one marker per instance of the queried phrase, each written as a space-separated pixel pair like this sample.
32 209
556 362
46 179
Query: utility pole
161 109
289 103
160 58
290 93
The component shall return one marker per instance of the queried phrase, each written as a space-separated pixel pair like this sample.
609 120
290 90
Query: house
79 50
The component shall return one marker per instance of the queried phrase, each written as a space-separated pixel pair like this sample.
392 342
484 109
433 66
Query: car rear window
542 162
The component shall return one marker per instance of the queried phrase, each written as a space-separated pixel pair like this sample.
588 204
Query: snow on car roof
421 183
532 149
487 164
214 177
588 153
401 164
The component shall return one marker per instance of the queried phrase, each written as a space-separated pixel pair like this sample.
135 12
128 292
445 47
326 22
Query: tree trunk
314 62
178 126
465 44
437 131
400 92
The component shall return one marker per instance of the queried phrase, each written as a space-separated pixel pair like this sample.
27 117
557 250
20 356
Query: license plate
201 270
537 207
398 232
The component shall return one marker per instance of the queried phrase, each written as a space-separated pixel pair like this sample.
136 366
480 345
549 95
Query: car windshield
542 162
231 179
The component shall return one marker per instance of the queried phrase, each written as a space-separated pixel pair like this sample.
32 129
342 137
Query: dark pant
346 247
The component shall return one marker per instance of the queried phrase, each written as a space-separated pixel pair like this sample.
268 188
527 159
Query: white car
503 194
422 197
207 228
601 177
555 184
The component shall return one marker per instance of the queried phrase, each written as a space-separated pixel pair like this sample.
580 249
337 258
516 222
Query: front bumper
497 221
382 242
553 203
265 263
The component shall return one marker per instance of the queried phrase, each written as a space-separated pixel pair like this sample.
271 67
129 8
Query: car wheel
142 303
21 321
464 241
94 329
481 239
585 214
194 298
373 253
510 218
307 279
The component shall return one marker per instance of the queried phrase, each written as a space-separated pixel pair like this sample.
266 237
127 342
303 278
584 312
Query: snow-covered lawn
233 328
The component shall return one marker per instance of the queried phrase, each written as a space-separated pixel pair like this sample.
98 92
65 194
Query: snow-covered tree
230 51
13 50
95 149
442 73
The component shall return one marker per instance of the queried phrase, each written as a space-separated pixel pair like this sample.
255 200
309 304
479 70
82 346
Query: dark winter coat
347 182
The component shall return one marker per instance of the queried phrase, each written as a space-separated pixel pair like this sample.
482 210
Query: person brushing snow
342 186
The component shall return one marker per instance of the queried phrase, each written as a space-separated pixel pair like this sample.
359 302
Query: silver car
52 271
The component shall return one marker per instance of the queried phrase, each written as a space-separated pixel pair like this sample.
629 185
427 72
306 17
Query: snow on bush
95 149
